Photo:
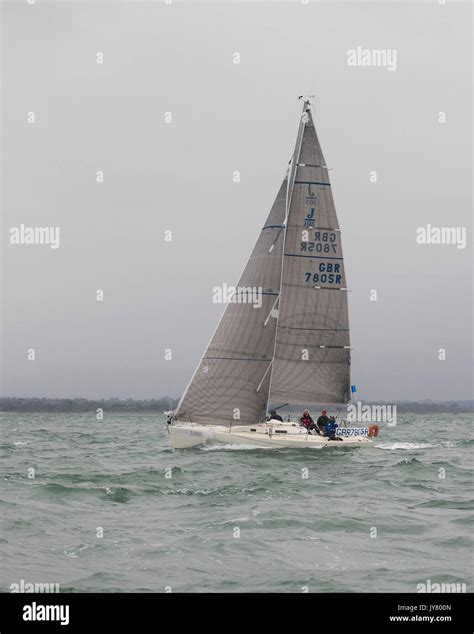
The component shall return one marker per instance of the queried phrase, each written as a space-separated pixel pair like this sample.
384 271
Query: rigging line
289 194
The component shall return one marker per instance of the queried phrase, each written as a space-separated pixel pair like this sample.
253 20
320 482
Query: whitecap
71 554
405 445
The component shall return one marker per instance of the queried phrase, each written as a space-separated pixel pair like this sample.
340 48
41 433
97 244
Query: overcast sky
178 176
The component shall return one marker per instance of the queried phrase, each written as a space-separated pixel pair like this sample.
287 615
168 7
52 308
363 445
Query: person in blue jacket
330 430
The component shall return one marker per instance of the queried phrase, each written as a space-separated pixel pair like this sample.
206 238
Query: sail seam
318 329
236 359
314 257
310 183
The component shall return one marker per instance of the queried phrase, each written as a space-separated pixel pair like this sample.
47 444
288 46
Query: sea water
109 506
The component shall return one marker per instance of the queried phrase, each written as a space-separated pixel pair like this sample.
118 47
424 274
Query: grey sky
179 177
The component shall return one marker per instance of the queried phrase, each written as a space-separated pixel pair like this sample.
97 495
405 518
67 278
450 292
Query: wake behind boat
292 346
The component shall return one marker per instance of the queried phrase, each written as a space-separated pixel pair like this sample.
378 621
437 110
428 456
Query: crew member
323 420
331 427
275 416
307 422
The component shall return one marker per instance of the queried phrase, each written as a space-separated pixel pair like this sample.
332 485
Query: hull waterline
270 436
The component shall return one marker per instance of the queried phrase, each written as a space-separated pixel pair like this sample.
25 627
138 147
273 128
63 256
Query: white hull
273 434
185 436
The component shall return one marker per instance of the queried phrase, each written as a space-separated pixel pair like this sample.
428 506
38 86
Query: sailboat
292 346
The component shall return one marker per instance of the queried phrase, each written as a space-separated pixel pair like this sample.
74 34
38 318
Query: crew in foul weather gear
275 416
307 422
331 427
323 420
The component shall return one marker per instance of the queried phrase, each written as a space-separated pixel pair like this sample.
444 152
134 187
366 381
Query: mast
296 158
289 193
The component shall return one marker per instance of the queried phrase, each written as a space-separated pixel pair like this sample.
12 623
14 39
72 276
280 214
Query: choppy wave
233 517
115 494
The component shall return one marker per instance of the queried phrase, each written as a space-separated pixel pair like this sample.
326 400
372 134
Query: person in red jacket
307 422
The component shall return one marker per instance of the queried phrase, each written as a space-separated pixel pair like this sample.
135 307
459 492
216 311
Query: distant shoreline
16 404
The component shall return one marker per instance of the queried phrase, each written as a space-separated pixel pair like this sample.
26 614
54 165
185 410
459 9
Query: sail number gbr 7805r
324 242
328 273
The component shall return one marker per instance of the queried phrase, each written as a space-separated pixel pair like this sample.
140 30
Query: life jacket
306 420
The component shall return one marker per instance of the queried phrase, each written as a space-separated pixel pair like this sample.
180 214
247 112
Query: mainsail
311 361
293 345
231 381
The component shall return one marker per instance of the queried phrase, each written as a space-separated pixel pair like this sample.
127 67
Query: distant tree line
13 404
